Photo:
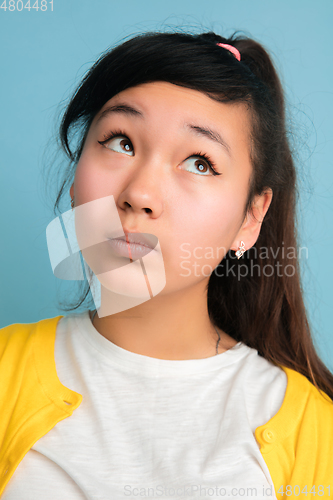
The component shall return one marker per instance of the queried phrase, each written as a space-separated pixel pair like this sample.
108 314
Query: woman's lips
130 250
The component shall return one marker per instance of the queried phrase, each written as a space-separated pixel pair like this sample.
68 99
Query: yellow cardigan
296 443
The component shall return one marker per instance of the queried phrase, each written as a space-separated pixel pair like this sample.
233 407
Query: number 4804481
18 5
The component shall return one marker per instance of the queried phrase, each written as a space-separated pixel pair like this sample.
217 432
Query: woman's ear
250 229
71 191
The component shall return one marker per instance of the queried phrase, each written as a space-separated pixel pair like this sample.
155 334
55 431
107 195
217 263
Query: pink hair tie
232 49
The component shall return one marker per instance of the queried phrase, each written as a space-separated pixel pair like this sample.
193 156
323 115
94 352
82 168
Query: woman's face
158 169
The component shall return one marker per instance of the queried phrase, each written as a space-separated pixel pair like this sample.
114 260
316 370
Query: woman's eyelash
115 133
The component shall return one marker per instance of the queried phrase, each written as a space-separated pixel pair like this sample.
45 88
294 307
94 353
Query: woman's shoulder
299 436
304 409
15 327
27 365
18 336
302 389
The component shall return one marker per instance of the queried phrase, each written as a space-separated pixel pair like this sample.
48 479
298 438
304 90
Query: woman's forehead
170 92
176 103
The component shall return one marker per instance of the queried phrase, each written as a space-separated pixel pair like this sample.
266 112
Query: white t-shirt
148 427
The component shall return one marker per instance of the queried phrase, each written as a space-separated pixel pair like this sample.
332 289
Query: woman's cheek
90 182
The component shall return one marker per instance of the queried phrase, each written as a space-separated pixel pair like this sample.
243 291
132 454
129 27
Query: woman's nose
144 190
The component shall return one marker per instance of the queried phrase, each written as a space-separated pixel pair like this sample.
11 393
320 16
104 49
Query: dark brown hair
265 311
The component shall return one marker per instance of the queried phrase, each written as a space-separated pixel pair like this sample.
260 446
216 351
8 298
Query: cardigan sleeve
297 442
32 399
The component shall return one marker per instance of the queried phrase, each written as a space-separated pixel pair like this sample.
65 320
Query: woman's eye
120 145
199 165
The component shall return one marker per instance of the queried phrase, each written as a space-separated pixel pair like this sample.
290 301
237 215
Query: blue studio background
45 53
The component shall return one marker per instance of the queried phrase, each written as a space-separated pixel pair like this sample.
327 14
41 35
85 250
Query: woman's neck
174 326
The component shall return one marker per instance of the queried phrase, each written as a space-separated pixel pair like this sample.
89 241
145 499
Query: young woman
206 383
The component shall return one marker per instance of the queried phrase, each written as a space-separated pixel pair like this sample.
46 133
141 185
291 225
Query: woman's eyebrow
126 109
211 134
120 108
